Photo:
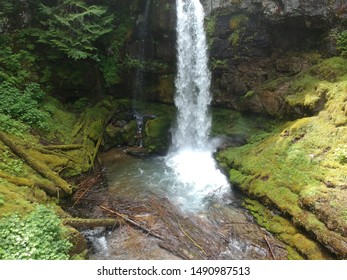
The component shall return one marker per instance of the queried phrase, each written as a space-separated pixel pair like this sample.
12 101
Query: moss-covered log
43 184
91 223
40 167
64 147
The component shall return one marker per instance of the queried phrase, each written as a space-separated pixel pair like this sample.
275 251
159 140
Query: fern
73 27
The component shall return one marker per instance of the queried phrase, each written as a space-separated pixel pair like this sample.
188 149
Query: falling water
191 155
139 79
193 78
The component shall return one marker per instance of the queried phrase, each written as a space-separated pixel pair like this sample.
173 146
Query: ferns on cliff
73 27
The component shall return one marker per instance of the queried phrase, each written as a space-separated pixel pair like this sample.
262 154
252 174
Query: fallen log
64 147
150 232
91 223
47 186
40 167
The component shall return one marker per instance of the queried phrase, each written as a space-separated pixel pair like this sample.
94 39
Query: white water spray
191 155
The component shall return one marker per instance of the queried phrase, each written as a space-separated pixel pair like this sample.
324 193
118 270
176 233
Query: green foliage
80 103
110 64
7 9
135 63
14 66
341 154
73 27
38 236
11 126
11 165
22 105
342 43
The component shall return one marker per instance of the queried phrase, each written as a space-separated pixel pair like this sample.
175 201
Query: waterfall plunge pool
207 223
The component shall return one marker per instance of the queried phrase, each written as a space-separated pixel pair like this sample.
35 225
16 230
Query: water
183 197
147 191
191 156
193 79
151 176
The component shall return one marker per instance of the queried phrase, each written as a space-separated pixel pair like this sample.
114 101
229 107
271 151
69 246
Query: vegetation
38 236
73 26
299 168
342 43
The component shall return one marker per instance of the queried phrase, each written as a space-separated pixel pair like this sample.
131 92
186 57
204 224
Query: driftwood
84 187
132 222
270 247
40 167
90 223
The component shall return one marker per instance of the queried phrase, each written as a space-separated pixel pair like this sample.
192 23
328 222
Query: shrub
38 236
11 126
342 43
23 105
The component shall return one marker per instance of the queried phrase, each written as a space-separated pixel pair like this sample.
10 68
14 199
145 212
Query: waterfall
191 154
193 78
139 79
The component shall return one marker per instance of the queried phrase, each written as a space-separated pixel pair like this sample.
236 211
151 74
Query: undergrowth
38 236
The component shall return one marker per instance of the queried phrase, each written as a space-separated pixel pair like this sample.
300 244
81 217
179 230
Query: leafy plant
23 105
9 125
11 165
38 236
340 154
80 103
14 66
342 43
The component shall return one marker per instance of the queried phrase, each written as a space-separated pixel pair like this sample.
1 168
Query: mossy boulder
129 133
158 134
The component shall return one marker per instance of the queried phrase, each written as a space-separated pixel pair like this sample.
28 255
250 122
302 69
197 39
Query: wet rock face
153 45
253 42
277 10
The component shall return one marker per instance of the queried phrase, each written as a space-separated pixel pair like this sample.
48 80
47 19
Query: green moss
330 69
299 244
166 88
237 178
291 167
129 133
237 21
158 127
232 123
158 134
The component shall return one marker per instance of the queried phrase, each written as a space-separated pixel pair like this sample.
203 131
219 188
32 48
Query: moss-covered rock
304 94
130 132
158 134
299 243
299 168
